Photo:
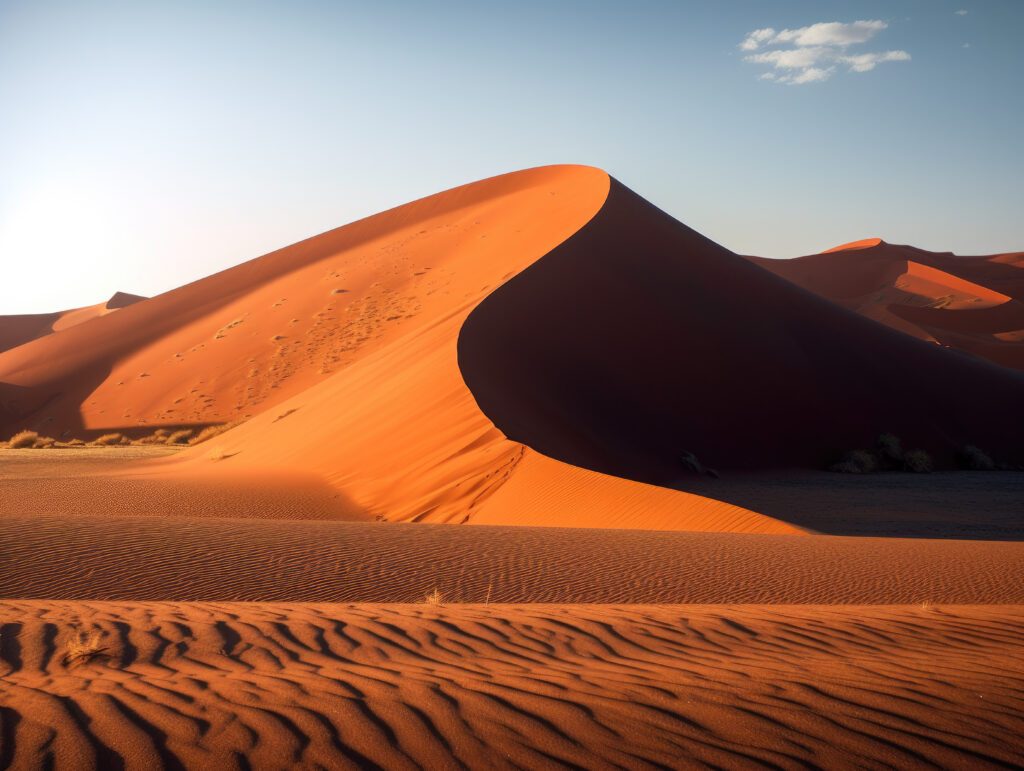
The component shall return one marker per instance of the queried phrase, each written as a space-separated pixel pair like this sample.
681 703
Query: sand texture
333 686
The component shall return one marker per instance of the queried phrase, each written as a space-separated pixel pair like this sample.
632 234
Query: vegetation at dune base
889 455
32 440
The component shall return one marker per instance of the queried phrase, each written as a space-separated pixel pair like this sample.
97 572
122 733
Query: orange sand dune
548 324
17 330
331 686
972 304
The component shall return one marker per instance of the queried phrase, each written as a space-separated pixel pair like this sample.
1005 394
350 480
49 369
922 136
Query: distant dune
972 304
17 330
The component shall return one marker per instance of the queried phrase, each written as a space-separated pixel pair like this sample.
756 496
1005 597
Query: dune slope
638 340
972 304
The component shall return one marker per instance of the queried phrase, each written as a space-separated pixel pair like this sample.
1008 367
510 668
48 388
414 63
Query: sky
144 145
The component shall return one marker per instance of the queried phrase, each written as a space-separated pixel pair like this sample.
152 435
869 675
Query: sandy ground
499 686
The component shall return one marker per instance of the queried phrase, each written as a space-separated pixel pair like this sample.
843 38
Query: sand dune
972 304
512 686
17 330
417 362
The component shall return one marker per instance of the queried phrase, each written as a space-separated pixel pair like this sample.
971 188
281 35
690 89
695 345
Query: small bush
889 451
434 598
918 462
856 462
44 442
180 437
211 431
110 440
82 647
975 459
23 440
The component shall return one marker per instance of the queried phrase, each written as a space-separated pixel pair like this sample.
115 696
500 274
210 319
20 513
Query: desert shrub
76 443
157 437
975 459
434 598
889 451
82 647
211 431
918 462
23 440
109 440
44 442
180 437
856 462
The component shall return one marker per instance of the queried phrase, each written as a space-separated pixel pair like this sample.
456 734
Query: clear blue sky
145 144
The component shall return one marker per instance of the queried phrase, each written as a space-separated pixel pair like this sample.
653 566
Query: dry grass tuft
918 462
434 598
110 440
30 440
82 647
180 437
211 431
23 440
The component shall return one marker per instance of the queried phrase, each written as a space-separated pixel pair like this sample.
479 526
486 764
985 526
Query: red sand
972 304
539 348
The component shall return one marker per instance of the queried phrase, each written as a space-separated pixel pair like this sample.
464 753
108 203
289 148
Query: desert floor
250 626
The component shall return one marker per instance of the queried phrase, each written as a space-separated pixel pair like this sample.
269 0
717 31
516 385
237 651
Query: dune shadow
975 505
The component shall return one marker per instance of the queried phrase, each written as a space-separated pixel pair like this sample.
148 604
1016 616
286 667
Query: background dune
972 304
17 330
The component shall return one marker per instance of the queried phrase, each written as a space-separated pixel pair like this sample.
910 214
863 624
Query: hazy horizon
147 146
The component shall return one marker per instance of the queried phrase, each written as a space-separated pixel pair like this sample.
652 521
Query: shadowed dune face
511 687
638 340
972 304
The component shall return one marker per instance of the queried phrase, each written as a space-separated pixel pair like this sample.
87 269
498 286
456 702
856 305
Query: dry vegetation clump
82 647
211 431
110 440
975 459
22 439
180 437
918 462
157 437
856 462
30 440
887 455
434 598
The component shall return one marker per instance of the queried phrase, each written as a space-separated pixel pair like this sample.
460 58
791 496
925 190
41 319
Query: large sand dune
548 324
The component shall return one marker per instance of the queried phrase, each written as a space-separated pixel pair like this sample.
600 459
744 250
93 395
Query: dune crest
971 304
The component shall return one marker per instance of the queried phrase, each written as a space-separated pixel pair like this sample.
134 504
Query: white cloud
790 58
867 62
813 52
825 33
810 75
754 40
961 12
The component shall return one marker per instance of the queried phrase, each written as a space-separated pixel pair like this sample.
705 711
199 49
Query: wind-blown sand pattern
146 558
332 686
